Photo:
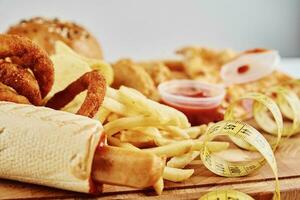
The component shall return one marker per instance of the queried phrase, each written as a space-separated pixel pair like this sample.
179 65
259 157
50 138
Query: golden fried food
22 81
157 70
45 32
21 54
197 63
127 73
261 85
69 66
203 63
174 65
8 94
95 85
144 76
142 169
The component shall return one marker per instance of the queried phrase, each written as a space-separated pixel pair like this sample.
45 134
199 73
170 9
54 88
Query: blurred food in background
45 32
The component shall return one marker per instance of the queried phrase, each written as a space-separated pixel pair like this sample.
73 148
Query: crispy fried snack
7 94
176 68
174 65
127 73
95 84
28 55
261 85
157 71
19 54
21 80
203 63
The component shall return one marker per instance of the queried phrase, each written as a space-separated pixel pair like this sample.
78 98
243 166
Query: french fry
116 142
120 124
177 132
152 132
177 175
135 121
167 115
137 138
166 134
162 141
112 117
132 99
181 147
102 114
112 93
159 186
173 149
195 131
183 160
116 107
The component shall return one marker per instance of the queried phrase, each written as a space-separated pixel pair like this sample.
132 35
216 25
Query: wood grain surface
260 184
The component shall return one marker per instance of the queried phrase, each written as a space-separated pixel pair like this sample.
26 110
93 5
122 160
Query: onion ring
25 53
95 84
22 81
7 94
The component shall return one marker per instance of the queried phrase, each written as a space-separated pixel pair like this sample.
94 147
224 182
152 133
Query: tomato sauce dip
199 101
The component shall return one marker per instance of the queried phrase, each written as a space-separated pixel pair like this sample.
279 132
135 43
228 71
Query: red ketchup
200 102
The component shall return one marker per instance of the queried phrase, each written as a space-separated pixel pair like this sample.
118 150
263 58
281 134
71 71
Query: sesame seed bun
45 32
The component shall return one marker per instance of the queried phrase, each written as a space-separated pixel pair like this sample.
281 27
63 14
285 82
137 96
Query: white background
145 29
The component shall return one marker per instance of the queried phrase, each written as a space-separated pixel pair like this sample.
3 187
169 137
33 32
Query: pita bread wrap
47 147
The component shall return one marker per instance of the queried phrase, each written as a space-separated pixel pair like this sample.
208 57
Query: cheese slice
47 147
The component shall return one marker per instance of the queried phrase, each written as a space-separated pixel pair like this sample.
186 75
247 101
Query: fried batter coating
7 94
262 85
205 64
174 65
21 80
131 75
157 70
25 53
95 85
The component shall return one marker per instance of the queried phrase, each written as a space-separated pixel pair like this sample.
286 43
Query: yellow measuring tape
245 136
248 134
261 105
289 105
226 195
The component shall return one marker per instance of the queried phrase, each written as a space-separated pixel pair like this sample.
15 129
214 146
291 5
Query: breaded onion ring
21 80
7 94
95 84
25 53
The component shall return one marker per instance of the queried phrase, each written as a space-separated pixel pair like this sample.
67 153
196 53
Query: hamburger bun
45 32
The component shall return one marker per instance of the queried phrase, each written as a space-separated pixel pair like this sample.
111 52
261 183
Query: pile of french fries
132 121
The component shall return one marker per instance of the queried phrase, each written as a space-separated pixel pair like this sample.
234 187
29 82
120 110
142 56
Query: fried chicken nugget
205 64
174 65
157 70
129 74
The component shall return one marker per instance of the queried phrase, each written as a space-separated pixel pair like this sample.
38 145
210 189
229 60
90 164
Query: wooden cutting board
260 184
